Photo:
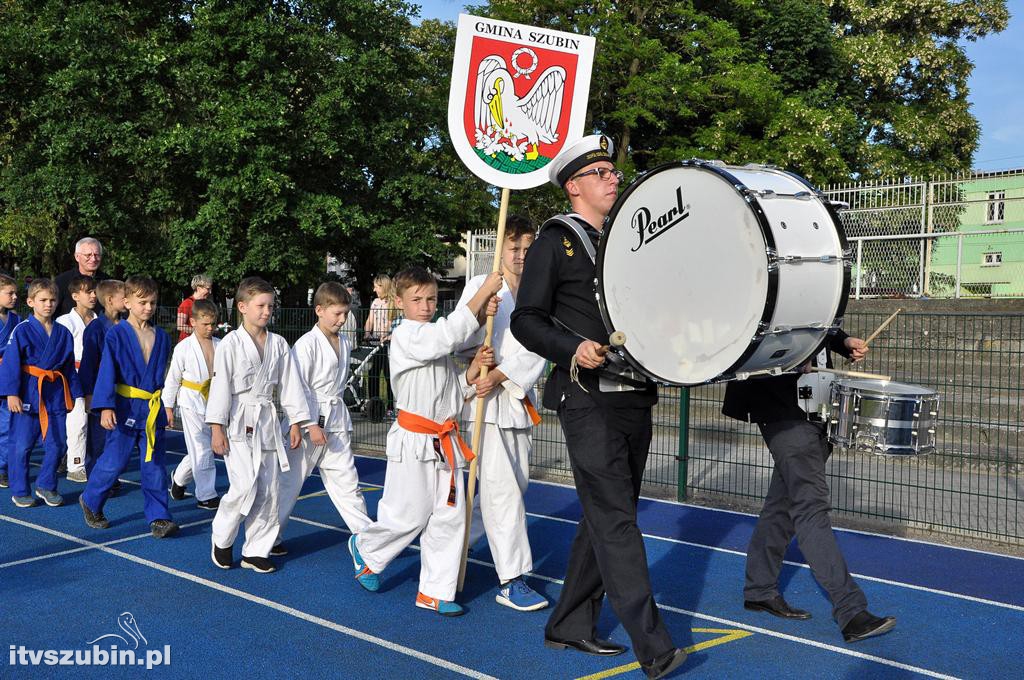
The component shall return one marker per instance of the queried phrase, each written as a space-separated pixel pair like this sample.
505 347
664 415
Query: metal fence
971 486
952 237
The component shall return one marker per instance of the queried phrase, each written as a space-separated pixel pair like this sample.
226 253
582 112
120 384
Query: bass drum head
683 272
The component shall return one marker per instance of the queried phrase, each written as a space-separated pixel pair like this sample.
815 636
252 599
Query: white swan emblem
126 622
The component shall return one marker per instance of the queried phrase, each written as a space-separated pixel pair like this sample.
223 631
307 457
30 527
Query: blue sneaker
442 607
517 595
366 578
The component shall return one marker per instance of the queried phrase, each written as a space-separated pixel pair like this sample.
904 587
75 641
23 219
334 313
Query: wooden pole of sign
478 422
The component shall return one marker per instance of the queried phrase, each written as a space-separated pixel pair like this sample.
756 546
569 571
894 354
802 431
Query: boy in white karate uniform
83 292
249 364
423 489
321 357
506 438
188 386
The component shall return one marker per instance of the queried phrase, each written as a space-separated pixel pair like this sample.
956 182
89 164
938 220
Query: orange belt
78 365
445 432
48 376
532 411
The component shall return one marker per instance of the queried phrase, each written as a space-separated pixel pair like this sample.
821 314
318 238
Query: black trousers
798 504
608 452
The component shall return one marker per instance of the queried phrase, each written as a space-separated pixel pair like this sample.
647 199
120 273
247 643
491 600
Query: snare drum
883 417
717 272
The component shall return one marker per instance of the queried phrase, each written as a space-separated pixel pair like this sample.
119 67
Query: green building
990 264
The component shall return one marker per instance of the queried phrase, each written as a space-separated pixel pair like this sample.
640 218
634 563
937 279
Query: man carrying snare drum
605 415
798 501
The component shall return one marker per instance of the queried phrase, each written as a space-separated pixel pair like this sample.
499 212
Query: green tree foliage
233 137
832 89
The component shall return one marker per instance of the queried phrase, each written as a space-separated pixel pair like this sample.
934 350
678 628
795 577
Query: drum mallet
615 340
852 374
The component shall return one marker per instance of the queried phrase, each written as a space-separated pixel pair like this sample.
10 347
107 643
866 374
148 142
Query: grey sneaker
96 520
3 480
162 528
23 501
51 498
78 476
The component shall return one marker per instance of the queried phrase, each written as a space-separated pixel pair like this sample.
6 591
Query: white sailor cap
590 149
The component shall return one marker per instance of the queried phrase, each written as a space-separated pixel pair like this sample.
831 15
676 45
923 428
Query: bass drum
717 272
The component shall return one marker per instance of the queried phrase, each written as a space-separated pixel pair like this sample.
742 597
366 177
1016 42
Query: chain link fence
950 237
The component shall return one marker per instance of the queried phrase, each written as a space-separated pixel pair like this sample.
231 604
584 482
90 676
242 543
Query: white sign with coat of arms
518 96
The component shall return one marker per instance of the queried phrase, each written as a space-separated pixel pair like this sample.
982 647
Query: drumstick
852 374
879 330
882 327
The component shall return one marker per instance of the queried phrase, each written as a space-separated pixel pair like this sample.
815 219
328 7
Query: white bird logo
126 622
501 114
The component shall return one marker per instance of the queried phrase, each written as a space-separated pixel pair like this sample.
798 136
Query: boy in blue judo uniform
39 379
8 320
127 392
110 294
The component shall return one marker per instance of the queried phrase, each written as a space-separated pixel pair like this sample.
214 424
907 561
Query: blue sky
996 86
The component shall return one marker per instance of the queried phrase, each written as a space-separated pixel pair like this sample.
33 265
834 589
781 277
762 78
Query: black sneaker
211 504
162 528
62 467
279 550
260 565
177 491
221 556
96 520
4 483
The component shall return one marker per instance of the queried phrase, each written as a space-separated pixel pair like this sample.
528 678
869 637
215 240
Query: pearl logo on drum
647 229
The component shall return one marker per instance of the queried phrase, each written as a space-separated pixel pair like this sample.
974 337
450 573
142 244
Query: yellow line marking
726 635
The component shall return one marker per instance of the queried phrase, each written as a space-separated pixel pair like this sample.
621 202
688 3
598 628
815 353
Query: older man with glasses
89 256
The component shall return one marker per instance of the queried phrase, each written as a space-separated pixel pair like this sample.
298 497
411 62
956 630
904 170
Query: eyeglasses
605 174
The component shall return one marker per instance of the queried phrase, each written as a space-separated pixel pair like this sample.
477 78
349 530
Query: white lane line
87 548
126 481
801 565
903 539
706 617
277 606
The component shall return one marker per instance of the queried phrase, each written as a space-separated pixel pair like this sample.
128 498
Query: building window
992 259
996 207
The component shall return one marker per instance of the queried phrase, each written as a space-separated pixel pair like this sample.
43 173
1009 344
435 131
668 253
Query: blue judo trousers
31 349
92 351
122 366
6 418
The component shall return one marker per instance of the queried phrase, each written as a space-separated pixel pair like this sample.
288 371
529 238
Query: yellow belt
154 411
202 388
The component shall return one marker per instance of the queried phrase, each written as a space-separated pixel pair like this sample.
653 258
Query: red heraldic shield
518 95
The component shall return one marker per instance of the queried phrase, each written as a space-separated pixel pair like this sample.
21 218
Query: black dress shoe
596 646
664 664
865 625
777 607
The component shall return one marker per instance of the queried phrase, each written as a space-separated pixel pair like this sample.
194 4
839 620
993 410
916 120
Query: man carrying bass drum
605 415
798 500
